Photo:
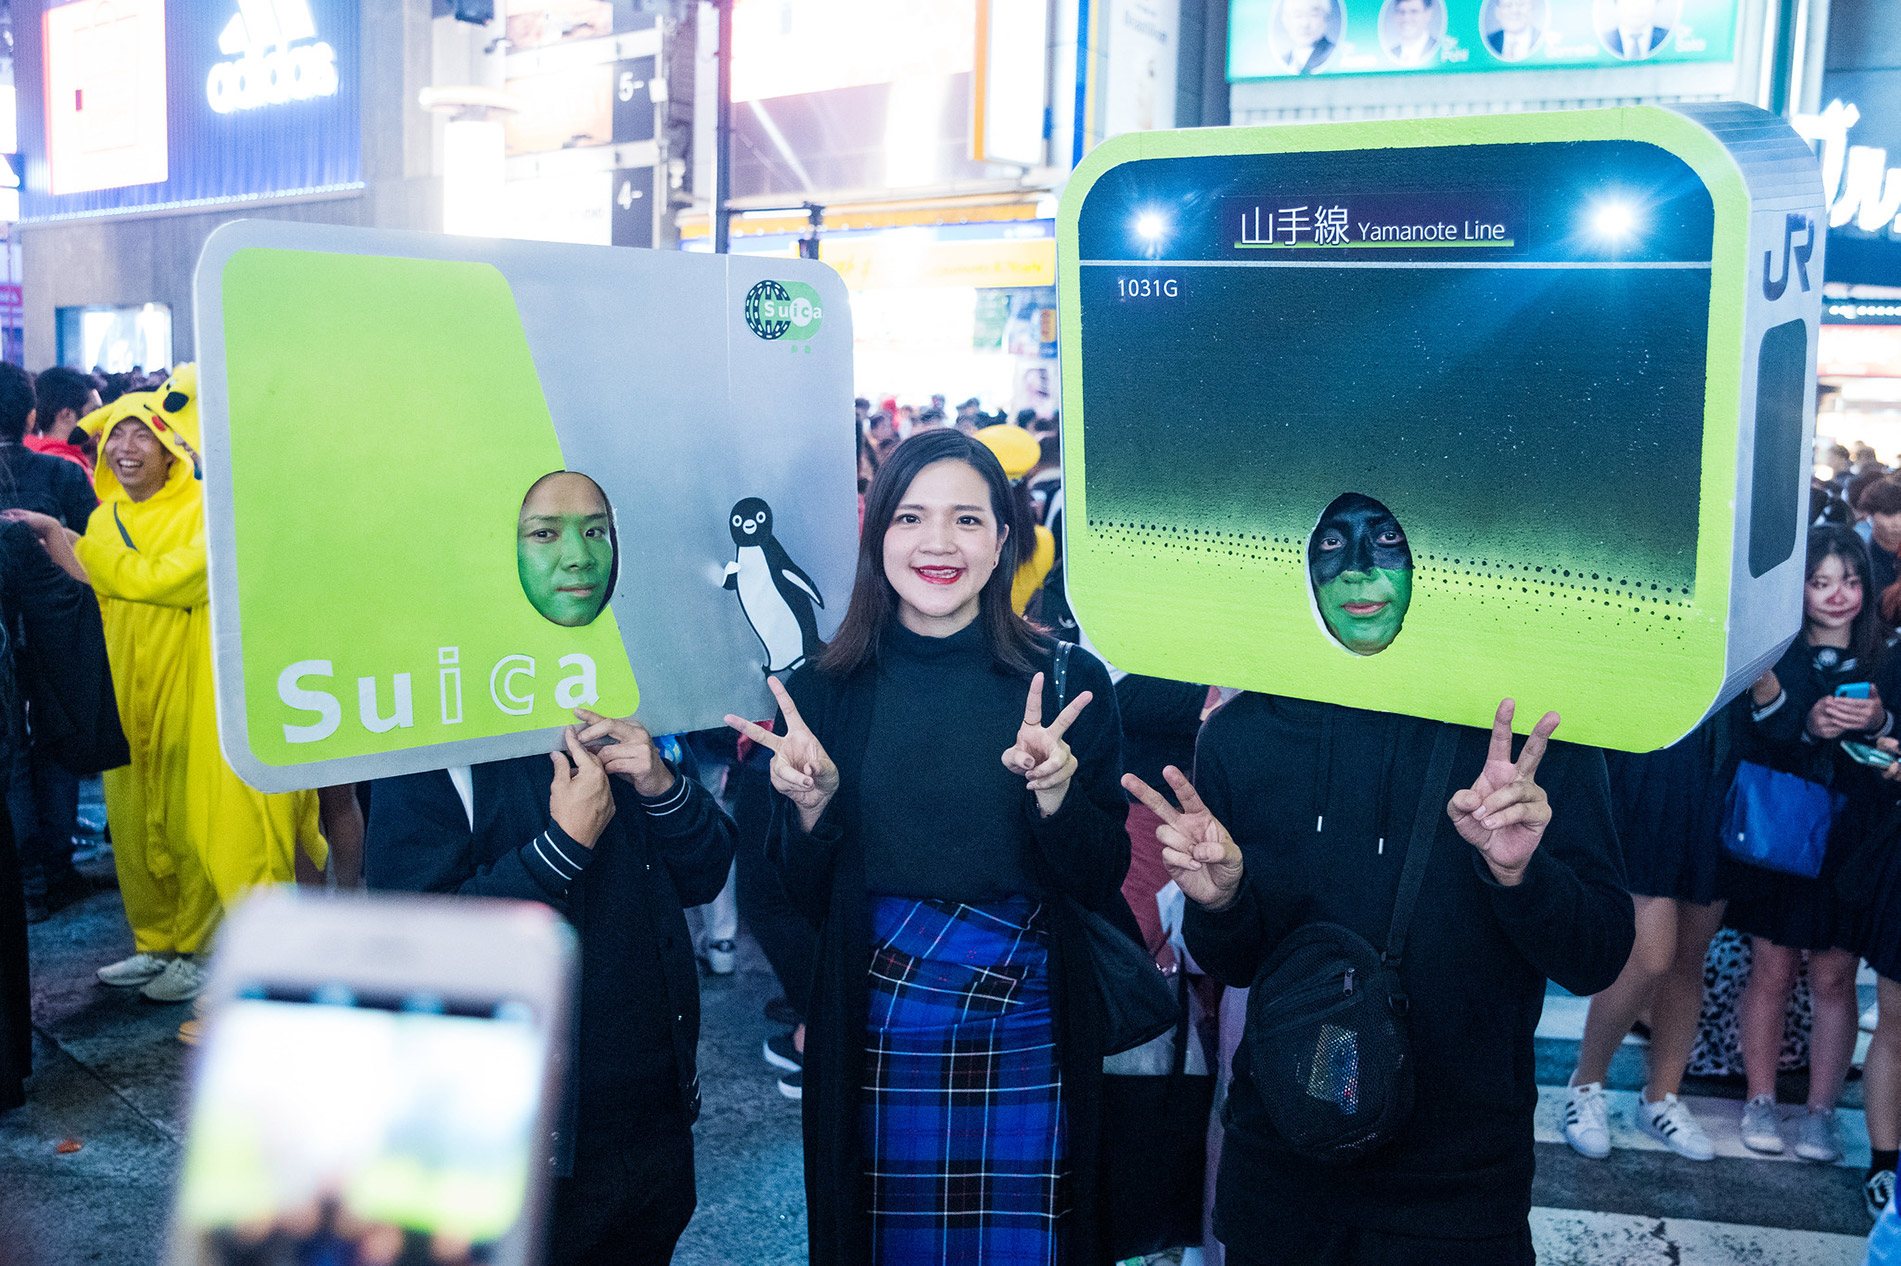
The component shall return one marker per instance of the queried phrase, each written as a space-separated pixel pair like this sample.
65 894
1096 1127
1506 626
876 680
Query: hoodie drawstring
1386 777
1323 775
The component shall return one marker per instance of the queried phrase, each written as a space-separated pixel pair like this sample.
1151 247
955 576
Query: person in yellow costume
188 836
1017 451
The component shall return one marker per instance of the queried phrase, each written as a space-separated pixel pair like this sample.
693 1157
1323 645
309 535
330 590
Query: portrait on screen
1413 32
1635 30
1307 34
1514 29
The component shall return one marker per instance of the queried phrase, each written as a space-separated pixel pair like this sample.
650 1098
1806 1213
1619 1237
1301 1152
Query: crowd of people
956 801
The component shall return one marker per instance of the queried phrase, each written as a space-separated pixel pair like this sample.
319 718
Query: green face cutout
564 548
1362 573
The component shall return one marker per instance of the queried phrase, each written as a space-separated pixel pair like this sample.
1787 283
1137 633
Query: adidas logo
277 58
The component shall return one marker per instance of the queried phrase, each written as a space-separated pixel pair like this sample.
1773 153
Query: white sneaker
181 981
1878 1192
1587 1126
721 957
1672 1124
129 973
1817 1140
1761 1130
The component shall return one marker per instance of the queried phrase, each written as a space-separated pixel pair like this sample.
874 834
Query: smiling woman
566 550
1361 570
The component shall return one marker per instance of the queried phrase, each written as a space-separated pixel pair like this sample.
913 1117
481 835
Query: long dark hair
1014 642
1867 639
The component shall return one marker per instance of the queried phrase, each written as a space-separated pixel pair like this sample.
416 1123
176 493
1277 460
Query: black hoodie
1321 801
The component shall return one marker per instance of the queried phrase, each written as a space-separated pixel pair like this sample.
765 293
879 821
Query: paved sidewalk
110 1075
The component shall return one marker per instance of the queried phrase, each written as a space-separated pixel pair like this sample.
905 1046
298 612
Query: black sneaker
781 1054
68 887
792 1086
1878 1191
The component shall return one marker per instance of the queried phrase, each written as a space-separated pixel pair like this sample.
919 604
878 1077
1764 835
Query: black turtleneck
939 814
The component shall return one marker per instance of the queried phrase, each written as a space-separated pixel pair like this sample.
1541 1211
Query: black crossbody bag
1326 1040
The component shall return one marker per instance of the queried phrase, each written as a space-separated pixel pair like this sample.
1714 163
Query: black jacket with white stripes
638 1018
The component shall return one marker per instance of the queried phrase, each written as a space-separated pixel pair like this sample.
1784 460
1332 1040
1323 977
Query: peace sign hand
1504 813
1202 858
801 771
1040 754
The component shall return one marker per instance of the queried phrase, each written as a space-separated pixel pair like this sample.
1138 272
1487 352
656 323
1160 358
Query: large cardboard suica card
457 488
1414 415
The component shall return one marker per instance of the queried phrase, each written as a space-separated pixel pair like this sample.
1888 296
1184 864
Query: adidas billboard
276 58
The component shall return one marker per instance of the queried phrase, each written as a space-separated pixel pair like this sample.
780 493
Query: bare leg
1832 1031
1613 1010
1677 1003
342 818
1759 1012
1881 1075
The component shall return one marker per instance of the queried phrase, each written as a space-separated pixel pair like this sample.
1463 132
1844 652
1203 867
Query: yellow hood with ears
176 428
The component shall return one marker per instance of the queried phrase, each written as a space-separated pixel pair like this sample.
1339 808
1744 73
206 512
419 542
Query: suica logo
277 58
783 309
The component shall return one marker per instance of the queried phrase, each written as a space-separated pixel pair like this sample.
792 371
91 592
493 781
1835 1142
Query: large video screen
1271 38
782 48
105 94
852 94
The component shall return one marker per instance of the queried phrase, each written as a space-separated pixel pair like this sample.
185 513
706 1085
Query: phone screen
360 1130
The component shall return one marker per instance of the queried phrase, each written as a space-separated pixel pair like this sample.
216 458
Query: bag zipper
1316 993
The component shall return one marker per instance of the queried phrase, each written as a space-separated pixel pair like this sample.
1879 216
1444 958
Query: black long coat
1081 852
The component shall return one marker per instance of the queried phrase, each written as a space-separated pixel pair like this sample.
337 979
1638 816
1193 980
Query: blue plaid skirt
962 1118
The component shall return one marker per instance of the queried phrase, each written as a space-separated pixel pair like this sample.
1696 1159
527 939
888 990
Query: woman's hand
801 771
626 750
54 537
1202 858
1765 689
1040 754
579 800
1832 716
1504 814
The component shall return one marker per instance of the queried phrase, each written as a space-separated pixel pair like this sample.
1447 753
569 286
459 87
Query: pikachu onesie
188 837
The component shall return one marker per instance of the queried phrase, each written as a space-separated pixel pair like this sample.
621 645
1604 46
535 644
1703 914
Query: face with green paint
564 548
1362 573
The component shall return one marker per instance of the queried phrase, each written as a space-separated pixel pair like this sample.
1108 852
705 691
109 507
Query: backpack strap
1432 800
1059 673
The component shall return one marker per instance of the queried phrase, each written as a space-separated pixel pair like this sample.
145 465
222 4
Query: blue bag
1779 821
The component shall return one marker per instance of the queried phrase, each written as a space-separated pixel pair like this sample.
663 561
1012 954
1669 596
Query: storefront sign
140 104
1863 191
1272 38
879 262
277 58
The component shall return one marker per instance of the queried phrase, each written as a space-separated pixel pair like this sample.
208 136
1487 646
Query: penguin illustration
775 594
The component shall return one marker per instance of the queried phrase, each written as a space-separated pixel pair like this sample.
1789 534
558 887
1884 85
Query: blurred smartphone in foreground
375 1083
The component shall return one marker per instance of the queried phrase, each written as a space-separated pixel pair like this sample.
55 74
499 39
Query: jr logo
1795 222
